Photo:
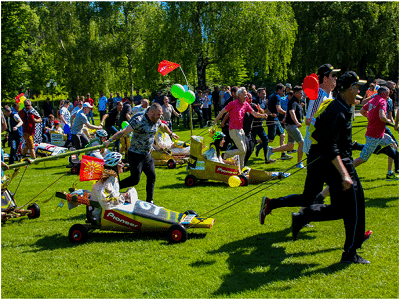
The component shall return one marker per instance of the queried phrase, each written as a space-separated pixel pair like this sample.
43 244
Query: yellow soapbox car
199 168
130 217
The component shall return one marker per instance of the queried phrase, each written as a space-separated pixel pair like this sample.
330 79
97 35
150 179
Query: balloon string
184 76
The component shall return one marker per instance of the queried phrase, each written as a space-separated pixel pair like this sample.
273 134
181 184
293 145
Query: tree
359 36
16 21
260 33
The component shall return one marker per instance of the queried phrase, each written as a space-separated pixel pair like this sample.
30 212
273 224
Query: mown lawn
237 258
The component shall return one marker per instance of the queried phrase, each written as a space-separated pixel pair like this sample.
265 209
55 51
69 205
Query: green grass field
237 258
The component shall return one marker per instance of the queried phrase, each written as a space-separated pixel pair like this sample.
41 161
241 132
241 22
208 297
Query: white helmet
112 159
101 133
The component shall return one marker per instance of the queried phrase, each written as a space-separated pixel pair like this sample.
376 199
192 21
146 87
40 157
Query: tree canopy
116 46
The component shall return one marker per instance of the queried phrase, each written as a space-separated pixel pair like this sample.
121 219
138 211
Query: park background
116 46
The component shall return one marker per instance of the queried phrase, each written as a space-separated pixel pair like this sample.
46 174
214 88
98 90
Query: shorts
28 141
294 134
275 130
372 143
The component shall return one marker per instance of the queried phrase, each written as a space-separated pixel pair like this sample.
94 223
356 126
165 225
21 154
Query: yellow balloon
181 105
234 181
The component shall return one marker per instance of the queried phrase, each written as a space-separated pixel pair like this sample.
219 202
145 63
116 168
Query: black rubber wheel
190 180
244 180
171 164
75 169
35 211
177 234
190 212
78 234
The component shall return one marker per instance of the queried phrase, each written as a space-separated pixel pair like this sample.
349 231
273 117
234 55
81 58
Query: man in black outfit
330 162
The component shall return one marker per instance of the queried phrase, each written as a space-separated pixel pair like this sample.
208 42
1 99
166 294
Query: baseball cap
349 79
56 122
87 105
326 69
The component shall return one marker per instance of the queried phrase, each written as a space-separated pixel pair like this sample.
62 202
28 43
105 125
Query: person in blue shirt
274 127
102 105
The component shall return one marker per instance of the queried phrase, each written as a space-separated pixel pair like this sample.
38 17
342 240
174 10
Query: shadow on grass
61 241
257 261
380 202
200 183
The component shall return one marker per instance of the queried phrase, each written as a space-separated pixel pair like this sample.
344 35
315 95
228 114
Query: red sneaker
367 235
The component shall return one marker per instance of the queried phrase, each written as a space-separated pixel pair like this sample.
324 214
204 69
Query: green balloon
177 90
124 124
189 97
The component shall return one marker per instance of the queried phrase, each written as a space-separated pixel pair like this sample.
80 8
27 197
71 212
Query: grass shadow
380 202
259 261
61 241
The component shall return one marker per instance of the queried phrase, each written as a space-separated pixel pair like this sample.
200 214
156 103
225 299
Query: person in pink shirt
375 111
237 110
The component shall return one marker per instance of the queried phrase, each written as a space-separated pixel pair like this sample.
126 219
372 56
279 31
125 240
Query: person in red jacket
30 117
91 103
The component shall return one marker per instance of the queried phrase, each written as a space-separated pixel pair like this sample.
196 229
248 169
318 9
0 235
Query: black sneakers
297 224
348 258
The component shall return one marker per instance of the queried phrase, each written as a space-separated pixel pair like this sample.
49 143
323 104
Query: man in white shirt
65 116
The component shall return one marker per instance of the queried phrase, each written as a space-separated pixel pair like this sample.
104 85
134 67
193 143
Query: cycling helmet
218 136
101 133
112 159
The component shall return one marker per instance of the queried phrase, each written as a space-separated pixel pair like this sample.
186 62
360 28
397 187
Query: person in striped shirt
327 76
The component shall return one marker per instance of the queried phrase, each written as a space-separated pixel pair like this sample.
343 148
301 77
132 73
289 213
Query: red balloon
314 75
311 87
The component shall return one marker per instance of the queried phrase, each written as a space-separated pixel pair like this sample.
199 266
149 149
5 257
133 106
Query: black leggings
137 164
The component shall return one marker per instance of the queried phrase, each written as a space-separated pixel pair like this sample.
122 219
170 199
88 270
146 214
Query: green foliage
348 35
237 258
117 46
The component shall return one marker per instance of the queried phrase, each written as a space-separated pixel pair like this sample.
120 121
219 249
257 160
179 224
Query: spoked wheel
190 180
35 211
177 234
171 164
78 234
244 180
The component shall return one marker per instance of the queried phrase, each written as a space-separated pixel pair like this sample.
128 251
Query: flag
166 66
91 168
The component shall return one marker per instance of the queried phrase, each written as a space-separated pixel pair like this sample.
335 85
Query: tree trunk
201 71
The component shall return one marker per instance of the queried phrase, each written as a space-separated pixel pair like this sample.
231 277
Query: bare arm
294 118
383 118
165 128
219 116
118 135
258 115
90 126
280 110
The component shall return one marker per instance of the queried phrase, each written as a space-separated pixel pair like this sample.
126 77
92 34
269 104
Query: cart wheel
78 234
177 234
75 169
244 180
190 180
171 164
35 211
191 212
